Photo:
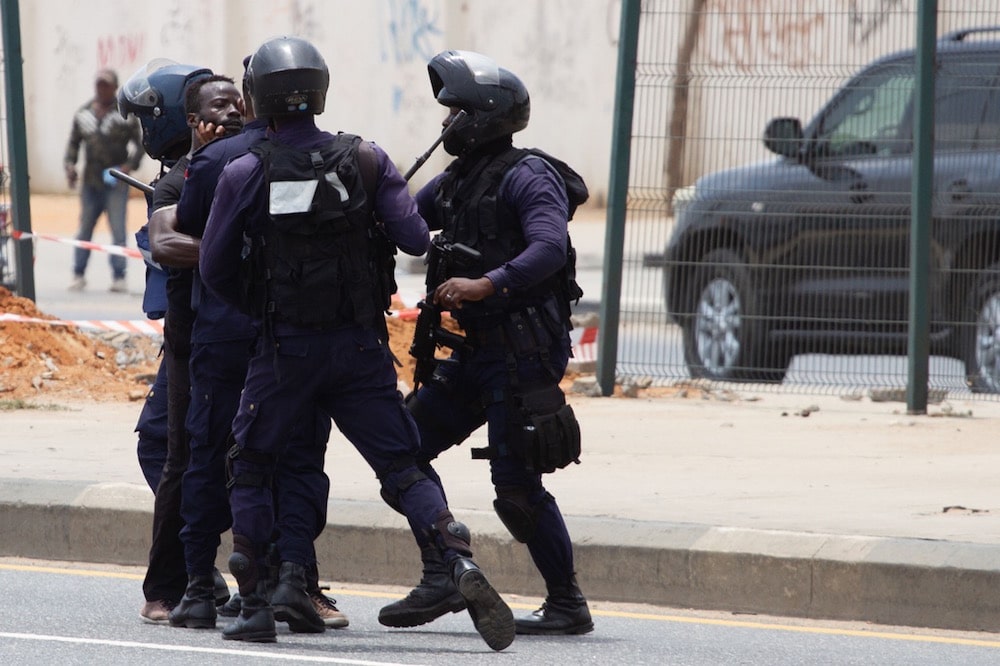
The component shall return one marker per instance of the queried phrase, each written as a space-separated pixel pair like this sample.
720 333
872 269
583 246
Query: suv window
872 116
966 111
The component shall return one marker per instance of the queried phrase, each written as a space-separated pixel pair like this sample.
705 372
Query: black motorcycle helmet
495 100
287 76
155 94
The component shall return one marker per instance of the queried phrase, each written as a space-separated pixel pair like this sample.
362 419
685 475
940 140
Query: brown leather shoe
327 610
156 612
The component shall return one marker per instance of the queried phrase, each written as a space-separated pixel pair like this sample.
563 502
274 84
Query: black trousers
166 576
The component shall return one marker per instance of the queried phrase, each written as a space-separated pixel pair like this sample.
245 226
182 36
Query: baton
134 182
444 134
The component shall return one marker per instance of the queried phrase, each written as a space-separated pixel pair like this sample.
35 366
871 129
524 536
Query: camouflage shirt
106 143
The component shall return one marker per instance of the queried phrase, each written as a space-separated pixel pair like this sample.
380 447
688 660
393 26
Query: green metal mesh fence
767 234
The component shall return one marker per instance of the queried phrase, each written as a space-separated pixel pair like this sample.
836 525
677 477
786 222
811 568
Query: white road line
200 650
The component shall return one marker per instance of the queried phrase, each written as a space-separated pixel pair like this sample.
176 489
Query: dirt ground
41 361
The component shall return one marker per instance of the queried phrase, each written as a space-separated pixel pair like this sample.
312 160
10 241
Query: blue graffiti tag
411 29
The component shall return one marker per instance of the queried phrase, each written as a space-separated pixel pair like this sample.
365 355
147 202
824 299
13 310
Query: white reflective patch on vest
291 196
337 184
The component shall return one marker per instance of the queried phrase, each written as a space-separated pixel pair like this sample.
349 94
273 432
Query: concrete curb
898 581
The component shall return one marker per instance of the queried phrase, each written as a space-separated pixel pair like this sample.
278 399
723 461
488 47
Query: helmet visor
137 95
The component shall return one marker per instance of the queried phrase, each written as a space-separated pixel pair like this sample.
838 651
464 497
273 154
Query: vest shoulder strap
368 162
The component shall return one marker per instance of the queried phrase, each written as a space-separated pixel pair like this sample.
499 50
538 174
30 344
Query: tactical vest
473 214
315 262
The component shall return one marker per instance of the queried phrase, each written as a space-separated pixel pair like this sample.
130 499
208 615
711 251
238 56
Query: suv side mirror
784 136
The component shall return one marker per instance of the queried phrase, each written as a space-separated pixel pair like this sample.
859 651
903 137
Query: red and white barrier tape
584 343
143 326
87 245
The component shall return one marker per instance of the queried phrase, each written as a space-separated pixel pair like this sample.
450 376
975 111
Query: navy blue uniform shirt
216 320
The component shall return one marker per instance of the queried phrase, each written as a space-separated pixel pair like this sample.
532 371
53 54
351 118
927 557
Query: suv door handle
859 192
959 190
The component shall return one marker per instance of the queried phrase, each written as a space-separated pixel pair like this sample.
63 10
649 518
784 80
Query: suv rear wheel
724 338
981 335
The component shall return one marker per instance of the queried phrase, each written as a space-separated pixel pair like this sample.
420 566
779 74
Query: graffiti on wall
867 16
178 29
120 51
412 31
745 33
793 33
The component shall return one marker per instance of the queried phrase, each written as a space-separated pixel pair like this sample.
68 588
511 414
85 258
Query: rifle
443 259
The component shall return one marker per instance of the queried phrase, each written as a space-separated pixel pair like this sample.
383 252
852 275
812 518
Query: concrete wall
756 59
377 50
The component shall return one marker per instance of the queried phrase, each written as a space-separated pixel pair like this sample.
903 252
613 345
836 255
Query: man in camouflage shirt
106 136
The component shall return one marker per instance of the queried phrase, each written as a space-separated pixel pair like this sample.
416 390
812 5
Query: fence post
923 180
614 233
18 145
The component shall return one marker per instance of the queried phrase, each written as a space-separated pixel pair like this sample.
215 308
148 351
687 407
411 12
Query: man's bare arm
170 247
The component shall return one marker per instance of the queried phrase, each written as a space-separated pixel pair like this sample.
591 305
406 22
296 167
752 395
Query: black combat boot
255 623
490 615
221 588
435 595
232 607
196 609
291 602
564 612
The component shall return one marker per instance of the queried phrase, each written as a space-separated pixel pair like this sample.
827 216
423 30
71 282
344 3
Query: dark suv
810 252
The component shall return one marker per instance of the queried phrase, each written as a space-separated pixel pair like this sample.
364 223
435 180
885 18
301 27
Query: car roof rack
960 35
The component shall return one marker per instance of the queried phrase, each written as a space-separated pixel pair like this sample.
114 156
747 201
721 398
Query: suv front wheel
724 336
981 335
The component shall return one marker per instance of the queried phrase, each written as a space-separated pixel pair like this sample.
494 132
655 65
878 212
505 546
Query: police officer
222 339
301 199
157 95
511 206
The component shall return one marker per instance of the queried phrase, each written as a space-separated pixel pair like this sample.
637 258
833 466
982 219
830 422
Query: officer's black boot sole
490 614
404 614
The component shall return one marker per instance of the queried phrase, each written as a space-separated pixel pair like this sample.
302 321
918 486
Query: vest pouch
304 273
526 332
547 437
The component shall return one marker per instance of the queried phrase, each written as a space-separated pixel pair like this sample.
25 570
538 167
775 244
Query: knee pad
243 564
516 512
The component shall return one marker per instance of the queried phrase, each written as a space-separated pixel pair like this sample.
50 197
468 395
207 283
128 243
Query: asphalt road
73 613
